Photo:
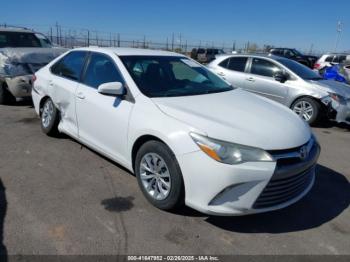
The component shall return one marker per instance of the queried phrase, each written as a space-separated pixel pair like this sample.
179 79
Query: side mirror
111 88
280 77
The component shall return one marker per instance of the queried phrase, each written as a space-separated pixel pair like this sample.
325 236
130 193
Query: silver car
287 82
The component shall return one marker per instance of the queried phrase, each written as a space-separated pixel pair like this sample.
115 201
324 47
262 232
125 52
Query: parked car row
293 54
287 82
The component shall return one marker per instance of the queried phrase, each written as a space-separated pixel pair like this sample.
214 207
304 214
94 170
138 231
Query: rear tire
49 118
308 109
159 176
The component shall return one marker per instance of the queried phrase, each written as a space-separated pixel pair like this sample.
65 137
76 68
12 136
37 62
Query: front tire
159 176
308 109
49 118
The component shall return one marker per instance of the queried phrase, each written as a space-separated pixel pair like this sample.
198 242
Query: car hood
21 61
240 117
333 86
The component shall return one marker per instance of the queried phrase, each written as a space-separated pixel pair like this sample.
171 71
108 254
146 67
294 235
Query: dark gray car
287 82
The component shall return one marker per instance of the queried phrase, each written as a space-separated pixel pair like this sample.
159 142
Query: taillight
316 66
33 78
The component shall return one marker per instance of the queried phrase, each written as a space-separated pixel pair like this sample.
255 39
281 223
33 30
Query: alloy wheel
155 176
47 114
304 109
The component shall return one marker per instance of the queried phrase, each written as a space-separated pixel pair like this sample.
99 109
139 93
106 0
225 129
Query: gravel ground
58 197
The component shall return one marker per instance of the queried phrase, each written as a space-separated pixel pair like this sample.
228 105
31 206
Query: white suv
328 60
186 134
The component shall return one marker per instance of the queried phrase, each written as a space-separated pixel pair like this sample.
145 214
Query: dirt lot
59 197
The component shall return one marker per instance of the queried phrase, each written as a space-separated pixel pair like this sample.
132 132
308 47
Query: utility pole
61 42
339 30
180 38
88 37
57 33
118 40
311 48
51 34
172 42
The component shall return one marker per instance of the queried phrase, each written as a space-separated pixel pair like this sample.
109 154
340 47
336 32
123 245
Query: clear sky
293 23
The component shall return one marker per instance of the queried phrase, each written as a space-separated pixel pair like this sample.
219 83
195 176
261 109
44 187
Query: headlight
340 99
230 153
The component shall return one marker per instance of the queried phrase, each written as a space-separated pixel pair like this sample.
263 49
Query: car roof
288 48
128 51
15 29
269 56
336 54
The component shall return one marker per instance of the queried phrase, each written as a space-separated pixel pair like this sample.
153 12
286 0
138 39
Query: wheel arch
141 141
305 96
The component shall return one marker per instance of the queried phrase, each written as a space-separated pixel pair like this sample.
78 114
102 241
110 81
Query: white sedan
188 135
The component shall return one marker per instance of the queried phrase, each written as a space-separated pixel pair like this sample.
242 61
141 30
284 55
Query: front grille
291 178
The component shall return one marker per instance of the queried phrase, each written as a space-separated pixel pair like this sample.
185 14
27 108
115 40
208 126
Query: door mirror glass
280 77
111 88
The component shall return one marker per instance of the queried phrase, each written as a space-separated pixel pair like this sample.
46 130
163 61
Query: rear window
70 66
329 59
339 59
275 52
18 39
224 63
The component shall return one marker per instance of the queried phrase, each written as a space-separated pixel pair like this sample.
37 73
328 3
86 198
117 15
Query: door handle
50 83
221 74
80 95
250 79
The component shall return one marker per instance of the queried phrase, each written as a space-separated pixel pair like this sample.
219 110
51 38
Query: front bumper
20 86
342 111
219 189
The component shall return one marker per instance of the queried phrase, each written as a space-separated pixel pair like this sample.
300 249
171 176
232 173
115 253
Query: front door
260 80
102 119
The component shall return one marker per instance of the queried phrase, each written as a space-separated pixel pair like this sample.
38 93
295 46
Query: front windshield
297 53
165 76
19 39
43 40
300 70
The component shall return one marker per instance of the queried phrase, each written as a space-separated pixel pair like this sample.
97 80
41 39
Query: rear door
103 119
233 70
63 85
260 80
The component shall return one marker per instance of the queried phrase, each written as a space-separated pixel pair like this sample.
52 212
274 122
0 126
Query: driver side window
101 69
263 67
288 53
